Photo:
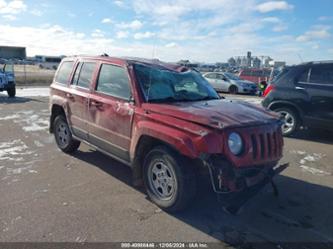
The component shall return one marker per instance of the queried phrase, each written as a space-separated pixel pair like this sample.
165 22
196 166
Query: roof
317 62
135 60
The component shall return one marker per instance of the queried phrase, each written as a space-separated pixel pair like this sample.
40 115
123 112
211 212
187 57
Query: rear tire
63 135
233 89
169 179
11 92
291 120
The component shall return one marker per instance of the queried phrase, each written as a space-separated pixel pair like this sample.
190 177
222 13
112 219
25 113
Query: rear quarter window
322 75
84 74
64 72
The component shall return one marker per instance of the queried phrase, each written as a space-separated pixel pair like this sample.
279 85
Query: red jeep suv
168 124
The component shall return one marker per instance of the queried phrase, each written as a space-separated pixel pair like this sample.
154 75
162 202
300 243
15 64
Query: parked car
7 80
168 124
228 82
256 75
303 95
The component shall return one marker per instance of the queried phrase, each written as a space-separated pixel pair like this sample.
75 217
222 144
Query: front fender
177 139
186 143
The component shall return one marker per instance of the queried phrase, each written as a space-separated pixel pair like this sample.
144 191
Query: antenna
300 57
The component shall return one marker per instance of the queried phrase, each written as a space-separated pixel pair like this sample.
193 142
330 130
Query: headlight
235 143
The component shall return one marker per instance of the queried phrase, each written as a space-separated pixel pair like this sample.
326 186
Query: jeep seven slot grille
266 145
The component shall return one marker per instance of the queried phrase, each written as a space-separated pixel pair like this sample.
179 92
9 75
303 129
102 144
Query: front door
111 112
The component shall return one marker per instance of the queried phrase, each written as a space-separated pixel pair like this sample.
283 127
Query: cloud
119 3
317 32
36 12
12 7
97 33
325 18
107 21
122 34
135 25
71 14
171 45
9 17
273 6
145 35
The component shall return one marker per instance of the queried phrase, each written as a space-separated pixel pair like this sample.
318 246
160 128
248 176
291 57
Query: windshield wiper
168 99
207 98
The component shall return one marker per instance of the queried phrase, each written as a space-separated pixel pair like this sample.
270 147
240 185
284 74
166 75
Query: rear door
78 97
223 82
319 87
111 111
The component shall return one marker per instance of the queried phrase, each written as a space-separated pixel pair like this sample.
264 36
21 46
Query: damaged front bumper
236 186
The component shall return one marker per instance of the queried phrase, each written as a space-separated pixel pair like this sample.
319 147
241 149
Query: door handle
70 96
299 88
96 104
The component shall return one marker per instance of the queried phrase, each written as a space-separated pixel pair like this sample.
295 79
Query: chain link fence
27 75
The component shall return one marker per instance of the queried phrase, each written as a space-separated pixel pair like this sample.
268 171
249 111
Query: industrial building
7 52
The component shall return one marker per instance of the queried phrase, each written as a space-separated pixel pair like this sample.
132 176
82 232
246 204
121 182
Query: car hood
218 114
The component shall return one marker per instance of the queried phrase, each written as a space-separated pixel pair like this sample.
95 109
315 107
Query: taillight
268 89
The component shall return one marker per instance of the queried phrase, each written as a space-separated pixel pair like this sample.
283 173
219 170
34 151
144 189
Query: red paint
255 75
192 128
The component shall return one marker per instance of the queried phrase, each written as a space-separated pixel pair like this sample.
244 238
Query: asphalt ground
48 196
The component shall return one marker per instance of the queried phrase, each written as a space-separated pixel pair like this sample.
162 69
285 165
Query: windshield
231 76
161 85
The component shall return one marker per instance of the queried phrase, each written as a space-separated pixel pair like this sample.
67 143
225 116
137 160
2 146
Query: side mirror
131 100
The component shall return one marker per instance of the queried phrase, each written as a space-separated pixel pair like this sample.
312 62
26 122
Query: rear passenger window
84 74
113 80
304 76
322 74
64 72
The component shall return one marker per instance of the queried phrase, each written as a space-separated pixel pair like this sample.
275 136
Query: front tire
11 92
291 120
169 179
63 135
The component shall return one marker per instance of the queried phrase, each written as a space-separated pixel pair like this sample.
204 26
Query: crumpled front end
235 186
237 178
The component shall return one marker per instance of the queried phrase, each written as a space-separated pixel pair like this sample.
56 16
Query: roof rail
317 62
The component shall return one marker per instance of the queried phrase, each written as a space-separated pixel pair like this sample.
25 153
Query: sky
197 30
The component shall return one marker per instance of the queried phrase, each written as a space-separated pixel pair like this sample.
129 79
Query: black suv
303 95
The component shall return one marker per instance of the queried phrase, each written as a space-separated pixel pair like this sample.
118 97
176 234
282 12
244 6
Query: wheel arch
56 110
280 104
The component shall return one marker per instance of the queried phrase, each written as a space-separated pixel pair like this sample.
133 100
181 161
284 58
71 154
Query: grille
267 145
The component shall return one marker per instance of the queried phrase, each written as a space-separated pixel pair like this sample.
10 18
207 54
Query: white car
228 82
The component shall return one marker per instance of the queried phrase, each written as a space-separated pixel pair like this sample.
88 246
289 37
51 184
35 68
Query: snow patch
314 171
298 152
29 120
10 117
33 92
38 144
13 150
312 158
